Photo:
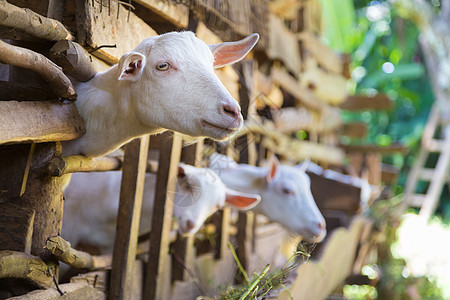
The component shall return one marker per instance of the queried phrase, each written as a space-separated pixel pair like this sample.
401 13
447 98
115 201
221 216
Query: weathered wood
389 174
316 280
43 193
49 71
96 28
170 151
302 95
283 45
39 121
73 59
331 194
327 58
62 250
16 227
354 129
129 213
25 266
27 169
32 23
360 102
178 249
72 291
19 92
177 14
329 87
59 166
97 279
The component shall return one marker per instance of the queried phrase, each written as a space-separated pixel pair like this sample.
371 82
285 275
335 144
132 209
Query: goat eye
287 191
163 67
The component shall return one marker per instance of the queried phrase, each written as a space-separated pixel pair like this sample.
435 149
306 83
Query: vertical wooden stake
131 192
27 169
169 158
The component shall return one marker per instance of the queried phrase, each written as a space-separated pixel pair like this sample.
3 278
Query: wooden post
131 192
247 155
179 247
169 158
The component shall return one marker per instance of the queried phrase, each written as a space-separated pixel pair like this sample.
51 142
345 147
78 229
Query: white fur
92 201
188 97
296 210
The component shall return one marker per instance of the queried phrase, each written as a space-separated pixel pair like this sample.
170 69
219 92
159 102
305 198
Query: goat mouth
226 129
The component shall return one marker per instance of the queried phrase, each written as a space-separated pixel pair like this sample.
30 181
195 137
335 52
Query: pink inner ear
240 201
132 67
181 172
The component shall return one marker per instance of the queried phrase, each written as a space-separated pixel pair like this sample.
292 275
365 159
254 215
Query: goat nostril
322 225
230 110
189 224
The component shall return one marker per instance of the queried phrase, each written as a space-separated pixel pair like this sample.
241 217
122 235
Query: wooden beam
72 291
361 102
170 151
39 121
329 87
129 213
283 45
32 23
49 71
177 14
354 130
393 148
109 27
327 58
292 86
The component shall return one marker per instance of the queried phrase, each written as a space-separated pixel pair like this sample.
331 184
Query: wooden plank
317 279
329 87
129 213
19 92
170 151
59 166
177 14
361 102
325 56
179 247
39 121
283 45
97 28
354 130
366 148
302 95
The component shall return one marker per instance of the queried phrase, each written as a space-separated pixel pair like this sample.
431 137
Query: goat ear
131 65
241 201
304 165
231 52
273 168
181 171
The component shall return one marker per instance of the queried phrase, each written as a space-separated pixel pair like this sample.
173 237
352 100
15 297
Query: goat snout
233 111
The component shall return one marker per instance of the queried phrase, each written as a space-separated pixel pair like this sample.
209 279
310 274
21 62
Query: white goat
285 193
166 82
90 210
